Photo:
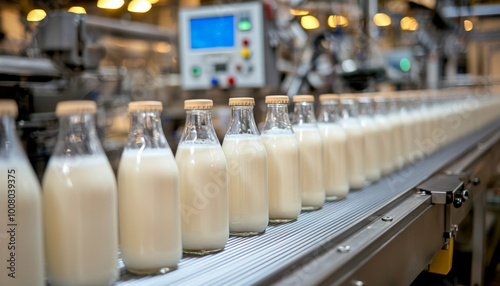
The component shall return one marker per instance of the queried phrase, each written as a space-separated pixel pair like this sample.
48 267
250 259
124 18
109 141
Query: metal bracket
445 189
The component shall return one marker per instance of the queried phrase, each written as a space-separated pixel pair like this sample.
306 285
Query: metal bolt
343 248
476 181
357 283
387 218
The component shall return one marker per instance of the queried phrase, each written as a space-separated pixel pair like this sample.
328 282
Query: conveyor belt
264 258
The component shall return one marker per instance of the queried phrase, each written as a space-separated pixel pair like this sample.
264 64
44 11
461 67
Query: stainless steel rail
346 242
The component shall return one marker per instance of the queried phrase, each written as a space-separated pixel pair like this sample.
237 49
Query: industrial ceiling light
468 25
337 20
110 4
139 6
153 1
382 20
36 15
77 10
297 12
409 24
309 22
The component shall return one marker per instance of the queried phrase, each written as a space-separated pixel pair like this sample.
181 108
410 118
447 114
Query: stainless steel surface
23 66
306 251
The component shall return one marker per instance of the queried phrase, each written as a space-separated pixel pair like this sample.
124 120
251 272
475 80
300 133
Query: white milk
398 151
149 208
372 148
204 203
81 224
24 238
355 153
283 176
386 145
247 179
311 166
335 162
407 124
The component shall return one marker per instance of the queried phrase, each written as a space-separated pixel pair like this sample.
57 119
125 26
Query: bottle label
11 227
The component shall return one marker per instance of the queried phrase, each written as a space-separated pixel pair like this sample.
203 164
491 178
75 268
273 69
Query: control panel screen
214 32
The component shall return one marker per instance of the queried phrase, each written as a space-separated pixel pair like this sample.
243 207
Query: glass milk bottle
203 182
386 151
397 134
372 138
355 142
21 236
310 152
247 171
148 195
334 148
282 150
80 203
399 102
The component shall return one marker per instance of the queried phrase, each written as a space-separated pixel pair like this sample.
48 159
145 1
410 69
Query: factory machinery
385 234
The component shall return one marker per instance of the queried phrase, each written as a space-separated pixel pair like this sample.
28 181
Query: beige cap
349 96
241 101
76 107
328 96
198 104
145 106
8 107
303 98
277 99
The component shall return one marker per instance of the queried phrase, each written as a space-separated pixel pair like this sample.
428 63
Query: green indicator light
244 25
405 64
196 71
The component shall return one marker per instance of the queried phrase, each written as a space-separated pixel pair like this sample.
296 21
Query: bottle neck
77 136
381 107
146 131
303 113
9 143
277 118
349 109
199 128
242 121
366 108
329 111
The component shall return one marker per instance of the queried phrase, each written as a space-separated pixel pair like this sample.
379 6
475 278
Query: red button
246 42
230 80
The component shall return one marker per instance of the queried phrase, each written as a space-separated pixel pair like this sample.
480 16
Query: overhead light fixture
139 6
468 25
153 1
110 4
409 24
337 20
382 20
309 22
77 10
297 12
36 15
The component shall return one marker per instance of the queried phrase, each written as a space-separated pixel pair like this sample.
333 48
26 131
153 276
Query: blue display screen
215 32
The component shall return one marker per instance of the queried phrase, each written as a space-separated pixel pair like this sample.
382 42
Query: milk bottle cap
241 101
277 99
145 106
8 107
198 104
349 96
328 97
303 98
76 107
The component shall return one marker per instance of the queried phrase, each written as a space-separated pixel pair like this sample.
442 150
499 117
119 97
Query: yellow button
245 52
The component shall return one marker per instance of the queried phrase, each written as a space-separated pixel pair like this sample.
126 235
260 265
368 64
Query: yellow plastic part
442 262
245 52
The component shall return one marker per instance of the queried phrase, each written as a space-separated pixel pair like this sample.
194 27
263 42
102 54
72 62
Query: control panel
222 46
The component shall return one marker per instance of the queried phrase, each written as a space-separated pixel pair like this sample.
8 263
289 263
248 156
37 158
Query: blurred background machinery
117 51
